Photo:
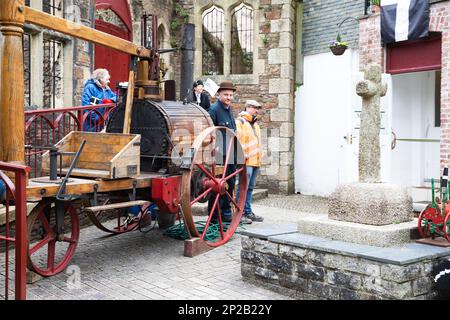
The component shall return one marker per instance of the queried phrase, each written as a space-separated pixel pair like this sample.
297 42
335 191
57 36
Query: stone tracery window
213 25
110 16
242 40
53 7
237 57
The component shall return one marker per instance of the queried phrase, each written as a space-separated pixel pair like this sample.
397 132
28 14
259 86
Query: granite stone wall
311 273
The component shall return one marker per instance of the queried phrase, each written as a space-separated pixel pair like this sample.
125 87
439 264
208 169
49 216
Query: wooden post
129 104
12 118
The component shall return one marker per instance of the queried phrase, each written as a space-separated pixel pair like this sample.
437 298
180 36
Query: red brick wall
370 49
439 21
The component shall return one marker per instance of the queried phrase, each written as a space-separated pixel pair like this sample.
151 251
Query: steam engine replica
155 152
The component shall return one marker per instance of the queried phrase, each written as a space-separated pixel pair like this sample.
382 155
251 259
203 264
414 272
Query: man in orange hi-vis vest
249 135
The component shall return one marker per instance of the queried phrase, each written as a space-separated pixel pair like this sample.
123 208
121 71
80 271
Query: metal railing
46 127
15 194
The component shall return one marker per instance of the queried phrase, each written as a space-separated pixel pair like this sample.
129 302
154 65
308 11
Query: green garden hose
178 231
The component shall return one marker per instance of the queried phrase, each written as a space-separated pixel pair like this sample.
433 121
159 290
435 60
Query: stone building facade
271 80
55 64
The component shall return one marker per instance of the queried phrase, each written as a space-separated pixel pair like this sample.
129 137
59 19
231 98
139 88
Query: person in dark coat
200 98
222 115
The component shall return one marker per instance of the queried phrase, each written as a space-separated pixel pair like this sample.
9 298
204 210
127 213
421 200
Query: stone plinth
380 236
370 203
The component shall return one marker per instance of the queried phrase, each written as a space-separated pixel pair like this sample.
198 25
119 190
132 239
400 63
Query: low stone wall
308 267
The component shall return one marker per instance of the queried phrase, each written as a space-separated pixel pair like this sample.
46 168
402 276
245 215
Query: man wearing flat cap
249 135
222 115
198 97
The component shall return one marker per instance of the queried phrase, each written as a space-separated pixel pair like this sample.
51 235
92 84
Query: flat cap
253 103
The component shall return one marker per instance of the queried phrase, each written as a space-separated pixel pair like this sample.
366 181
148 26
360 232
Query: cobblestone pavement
152 266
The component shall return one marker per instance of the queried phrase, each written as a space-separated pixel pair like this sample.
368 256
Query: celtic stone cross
370 89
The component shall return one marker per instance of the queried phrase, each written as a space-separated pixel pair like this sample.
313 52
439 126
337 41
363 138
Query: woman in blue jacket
97 91
2 191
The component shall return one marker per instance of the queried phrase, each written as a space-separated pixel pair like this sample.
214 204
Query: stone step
420 205
259 194
373 235
201 209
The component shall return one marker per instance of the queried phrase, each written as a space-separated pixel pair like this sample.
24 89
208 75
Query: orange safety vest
249 135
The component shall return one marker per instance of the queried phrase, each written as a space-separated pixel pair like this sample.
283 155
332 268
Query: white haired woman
97 91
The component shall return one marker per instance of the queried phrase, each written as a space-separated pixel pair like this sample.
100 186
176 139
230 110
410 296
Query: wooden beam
82 32
195 246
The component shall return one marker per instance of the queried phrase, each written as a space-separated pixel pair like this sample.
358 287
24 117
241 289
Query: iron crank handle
59 195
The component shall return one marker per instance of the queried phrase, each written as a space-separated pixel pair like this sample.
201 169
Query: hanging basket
338 50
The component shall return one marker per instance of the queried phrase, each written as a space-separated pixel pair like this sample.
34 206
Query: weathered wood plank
118 205
37 191
98 173
102 151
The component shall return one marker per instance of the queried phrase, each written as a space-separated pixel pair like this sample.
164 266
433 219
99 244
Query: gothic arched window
213 24
241 56
228 37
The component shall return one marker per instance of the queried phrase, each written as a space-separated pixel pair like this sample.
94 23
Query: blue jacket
2 191
92 90
221 116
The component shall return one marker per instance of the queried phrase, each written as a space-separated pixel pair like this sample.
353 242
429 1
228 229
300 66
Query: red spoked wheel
426 219
213 148
113 221
52 253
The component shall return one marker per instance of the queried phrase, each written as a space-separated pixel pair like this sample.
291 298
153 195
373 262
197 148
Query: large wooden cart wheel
214 148
427 217
119 223
51 253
